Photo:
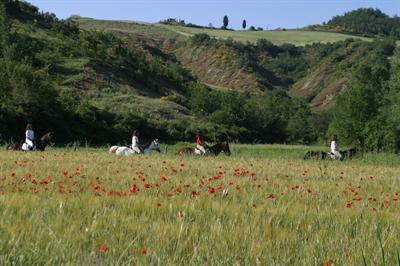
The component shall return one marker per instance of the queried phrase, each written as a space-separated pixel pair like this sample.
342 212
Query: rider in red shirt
200 144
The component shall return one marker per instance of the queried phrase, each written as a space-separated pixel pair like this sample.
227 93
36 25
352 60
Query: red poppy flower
134 188
329 262
103 248
143 251
271 196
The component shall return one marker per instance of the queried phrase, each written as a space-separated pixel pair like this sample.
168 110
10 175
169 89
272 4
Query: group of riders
201 145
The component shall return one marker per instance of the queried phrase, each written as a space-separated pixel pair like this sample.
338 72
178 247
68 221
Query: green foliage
4 27
360 116
368 22
202 39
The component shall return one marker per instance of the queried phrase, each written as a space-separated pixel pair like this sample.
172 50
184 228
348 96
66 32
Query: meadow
263 205
278 37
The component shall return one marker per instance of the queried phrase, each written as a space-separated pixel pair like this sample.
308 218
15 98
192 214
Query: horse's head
46 139
155 145
225 147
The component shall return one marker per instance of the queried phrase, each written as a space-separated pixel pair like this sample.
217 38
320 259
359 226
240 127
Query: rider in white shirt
335 154
135 142
29 137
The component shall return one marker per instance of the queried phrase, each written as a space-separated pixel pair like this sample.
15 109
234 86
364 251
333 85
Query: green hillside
97 81
260 65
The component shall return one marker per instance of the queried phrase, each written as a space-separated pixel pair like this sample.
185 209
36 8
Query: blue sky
260 13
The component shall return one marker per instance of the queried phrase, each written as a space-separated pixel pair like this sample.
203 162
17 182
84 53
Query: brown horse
210 150
41 144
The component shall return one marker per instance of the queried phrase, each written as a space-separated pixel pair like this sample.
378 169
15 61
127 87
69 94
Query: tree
244 24
4 27
226 22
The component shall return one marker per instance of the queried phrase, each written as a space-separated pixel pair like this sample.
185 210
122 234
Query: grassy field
297 37
263 205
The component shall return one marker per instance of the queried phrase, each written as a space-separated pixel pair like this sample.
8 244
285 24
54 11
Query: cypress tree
225 21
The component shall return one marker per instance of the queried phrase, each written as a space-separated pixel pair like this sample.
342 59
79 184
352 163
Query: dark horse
315 155
321 155
349 154
210 150
41 143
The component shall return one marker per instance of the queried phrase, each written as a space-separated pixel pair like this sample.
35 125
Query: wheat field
88 207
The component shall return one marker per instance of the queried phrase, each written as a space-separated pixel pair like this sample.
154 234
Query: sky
268 14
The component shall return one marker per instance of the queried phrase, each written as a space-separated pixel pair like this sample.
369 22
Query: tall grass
263 205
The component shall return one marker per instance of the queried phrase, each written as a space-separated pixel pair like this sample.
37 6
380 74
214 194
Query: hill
83 84
277 37
98 86
367 22
252 63
98 80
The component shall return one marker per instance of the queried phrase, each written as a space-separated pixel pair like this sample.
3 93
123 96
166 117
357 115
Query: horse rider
30 137
135 142
200 145
335 154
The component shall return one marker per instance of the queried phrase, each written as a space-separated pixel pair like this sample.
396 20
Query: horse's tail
113 149
180 151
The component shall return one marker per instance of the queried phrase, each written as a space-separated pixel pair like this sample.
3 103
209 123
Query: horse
126 151
210 150
346 154
321 155
40 144
350 153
